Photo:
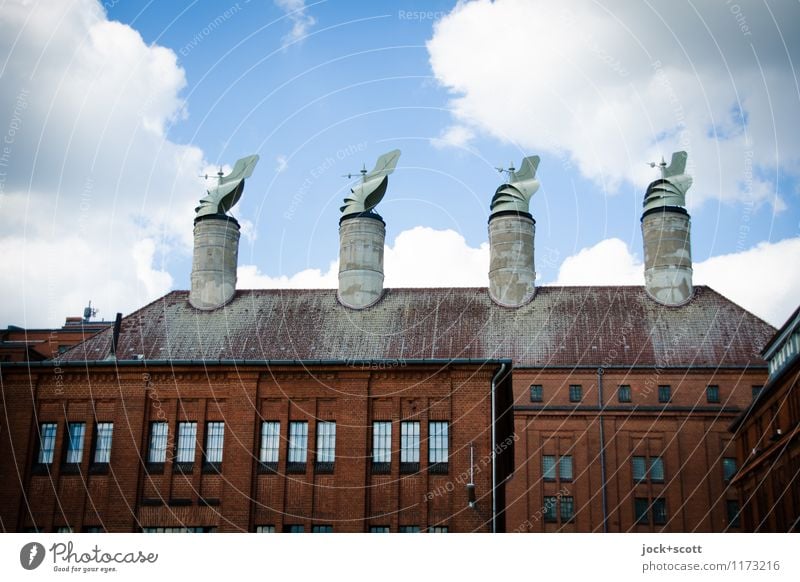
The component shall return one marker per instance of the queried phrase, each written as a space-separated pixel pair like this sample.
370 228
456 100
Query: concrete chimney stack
666 230
512 276
216 239
362 234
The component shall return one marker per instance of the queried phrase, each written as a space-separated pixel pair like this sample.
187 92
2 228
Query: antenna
662 165
362 171
89 312
509 170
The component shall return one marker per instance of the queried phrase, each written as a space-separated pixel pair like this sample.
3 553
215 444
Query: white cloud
296 11
456 136
616 84
281 163
93 193
764 279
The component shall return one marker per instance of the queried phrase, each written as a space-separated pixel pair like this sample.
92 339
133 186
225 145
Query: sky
110 113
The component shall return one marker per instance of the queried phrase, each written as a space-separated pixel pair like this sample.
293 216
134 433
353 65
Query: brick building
19 344
768 440
512 408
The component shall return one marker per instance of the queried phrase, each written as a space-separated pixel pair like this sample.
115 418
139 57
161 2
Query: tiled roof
562 326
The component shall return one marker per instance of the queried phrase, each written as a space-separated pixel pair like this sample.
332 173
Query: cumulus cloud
455 136
615 84
93 192
302 21
738 276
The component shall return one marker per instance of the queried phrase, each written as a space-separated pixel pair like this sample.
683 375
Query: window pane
187 437
409 442
270 441
438 529
659 511
438 448
567 508
215 437
158 442
575 393
639 467
624 393
409 529
379 529
47 442
75 432
102 446
265 529
381 441
549 507
641 506
733 512
537 393
728 468
293 528
565 468
326 442
321 529
756 390
664 393
657 469
549 467
712 394
298 442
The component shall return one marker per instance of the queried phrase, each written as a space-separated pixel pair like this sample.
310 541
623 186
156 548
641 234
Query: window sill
212 468
185 468
323 468
98 469
295 468
154 468
438 468
409 468
70 468
381 468
267 468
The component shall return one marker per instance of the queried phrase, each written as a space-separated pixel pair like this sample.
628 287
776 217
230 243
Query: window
102 443
756 390
575 393
215 439
94 529
197 529
47 442
664 393
657 469
565 468
379 529
659 511
409 446
187 437
75 433
265 529
537 393
549 467
381 446
409 529
639 468
712 394
640 465
321 529
549 506
298 446
624 393
326 446
728 468
270 444
563 465
293 528
64 529
158 442
733 512
641 507
438 446
438 529
567 508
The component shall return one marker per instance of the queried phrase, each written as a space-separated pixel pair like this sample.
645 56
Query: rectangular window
549 467
196 529
64 529
409 529
537 393
265 529
187 438
565 468
641 506
567 508
293 527
657 469
102 442
409 446
215 439
549 507
712 394
728 468
438 445
298 446
158 442
321 529
379 529
639 468
624 393
270 443
664 393
733 512
47 442
659 511
756 390
326 445
438 529
575 393
75 434
381 446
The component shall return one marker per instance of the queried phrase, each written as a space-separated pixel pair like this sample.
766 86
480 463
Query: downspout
600 373
495 378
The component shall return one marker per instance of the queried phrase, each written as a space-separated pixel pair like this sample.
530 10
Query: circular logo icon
31 555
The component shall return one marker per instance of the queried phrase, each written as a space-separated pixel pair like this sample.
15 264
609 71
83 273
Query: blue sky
116 109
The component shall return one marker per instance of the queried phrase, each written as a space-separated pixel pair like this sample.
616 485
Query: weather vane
366 194
515 195
670 189
228 190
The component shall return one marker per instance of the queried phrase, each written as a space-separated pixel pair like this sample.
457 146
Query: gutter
495 378
364 363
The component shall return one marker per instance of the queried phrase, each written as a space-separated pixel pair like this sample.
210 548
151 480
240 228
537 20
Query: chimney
362 234
666 228
512 276
216 239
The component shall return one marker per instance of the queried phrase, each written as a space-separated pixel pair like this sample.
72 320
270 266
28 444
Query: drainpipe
495 378
600 373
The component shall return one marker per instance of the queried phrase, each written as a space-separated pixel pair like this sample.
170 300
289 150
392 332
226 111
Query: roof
561 327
